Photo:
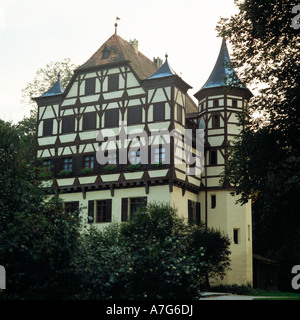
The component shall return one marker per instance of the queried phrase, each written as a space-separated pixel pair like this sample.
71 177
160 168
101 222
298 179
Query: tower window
216 121
90 86
236 236
213 157
234 103
213 200
194 212
179 113
47 128
159 111
216 103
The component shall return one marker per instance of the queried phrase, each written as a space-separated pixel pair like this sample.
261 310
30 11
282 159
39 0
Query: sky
34 33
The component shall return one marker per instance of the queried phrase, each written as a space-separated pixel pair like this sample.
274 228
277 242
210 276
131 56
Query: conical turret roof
164 71
56 89
222 71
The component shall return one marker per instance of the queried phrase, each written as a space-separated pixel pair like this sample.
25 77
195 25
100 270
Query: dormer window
105 53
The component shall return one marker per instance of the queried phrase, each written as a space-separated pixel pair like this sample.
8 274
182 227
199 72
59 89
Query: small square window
88 162
216 103
67 164
46 165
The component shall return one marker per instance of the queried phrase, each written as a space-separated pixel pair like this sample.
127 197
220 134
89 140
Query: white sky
36 32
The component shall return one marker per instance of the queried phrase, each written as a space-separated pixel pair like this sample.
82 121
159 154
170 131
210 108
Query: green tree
156 255
264 162
46 77
37 239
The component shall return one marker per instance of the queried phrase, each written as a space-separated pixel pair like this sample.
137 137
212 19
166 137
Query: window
131 206
89 121
135 156
213 201
48 127
159 155
88 162
234 103
112 118
103 211
112 157
134 115
179 113
136 204
236 236
68 124
213 157
71 207
67 164
215 121
113 82
194 213
216 103
46 165
159 111
90 86
105 53
99 211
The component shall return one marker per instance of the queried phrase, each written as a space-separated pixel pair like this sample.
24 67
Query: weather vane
116 24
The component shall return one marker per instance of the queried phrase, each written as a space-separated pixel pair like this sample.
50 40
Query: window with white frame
134 156
159 155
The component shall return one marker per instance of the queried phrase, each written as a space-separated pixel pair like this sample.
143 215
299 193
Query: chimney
135 45
158 62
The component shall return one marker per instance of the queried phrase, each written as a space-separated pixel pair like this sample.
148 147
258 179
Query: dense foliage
155 255
37 239
264 162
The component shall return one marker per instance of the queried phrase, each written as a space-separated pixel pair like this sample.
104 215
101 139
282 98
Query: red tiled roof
121 51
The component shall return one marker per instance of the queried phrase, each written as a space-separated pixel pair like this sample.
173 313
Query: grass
247 290
277 295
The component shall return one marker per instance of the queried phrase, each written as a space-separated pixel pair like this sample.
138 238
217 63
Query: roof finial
166 56
116 24
58 76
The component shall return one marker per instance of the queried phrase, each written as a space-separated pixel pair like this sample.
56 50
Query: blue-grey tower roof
222 71
164 71
56 89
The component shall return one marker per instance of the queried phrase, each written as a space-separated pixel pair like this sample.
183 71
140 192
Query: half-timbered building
119 89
